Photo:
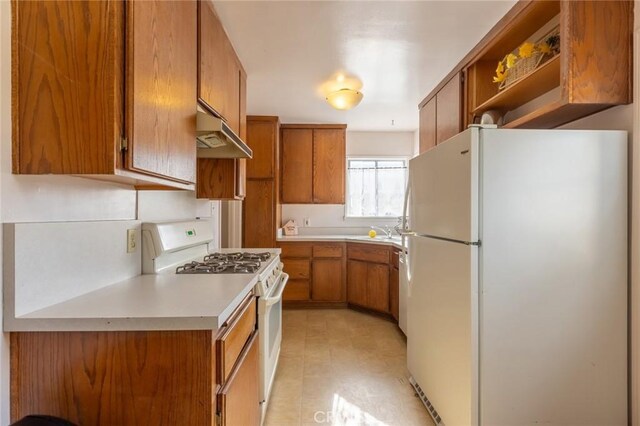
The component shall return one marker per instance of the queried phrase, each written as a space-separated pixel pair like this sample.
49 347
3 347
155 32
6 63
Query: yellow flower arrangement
526 50
548 46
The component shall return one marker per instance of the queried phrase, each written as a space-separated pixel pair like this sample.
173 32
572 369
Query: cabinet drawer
297 268
368 253
295 250
296 290
327 251
234 336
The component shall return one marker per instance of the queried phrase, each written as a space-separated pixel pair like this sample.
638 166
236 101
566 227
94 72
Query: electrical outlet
132 240
306 221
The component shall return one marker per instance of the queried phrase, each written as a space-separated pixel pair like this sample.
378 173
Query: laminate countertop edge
341 239
143 303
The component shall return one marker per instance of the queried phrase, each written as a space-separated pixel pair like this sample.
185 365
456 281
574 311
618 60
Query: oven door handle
278 297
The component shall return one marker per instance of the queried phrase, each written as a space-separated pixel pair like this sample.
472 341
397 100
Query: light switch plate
132 240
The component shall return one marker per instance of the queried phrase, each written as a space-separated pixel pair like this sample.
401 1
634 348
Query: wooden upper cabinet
262 138
313 163
428 126
259 227
218 71
592 71
70 106
222 90
161 86
297 166
449 109
67 93
329 156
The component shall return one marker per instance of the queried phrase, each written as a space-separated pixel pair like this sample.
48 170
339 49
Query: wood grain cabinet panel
296 250
259 227
297 166
239 399
328 250
233 337
262 138
329 158
115 378
297 290
428 126
220 75
220 179
77 110
378 287
357 282
297 268
67 96
327 281
448 109
161 86
368 253
394 292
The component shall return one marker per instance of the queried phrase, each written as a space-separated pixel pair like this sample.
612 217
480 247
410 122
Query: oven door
270 326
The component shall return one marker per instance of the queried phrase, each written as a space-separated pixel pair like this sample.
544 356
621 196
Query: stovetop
226 263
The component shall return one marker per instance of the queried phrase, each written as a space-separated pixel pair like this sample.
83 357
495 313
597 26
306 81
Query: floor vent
430 408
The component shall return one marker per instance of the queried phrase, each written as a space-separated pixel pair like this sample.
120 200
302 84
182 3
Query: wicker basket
525 66
521 69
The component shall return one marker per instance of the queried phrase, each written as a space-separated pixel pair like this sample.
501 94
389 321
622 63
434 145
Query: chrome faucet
386 230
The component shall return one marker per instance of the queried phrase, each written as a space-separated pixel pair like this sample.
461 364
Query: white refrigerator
517 267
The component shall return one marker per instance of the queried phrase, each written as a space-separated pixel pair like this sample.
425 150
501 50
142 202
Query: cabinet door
219 77
448 107
239 399
394 292
428 126
357 282
161 88
328 166
67 86
258 216
378 287
296 290
327 283
262 139
297 166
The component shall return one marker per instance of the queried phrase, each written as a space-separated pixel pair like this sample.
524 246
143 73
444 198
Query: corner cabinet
105 90
222 91
313 159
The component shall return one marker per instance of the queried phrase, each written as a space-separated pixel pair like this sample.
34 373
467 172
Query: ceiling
399 50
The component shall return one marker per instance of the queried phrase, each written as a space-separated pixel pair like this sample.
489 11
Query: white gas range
183 248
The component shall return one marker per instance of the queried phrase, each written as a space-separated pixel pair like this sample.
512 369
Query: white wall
359 144
63 198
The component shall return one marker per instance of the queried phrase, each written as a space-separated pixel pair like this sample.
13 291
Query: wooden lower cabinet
317 272
357 282
394 292
239 399
327 283
368 285
297 290
378 287
140 377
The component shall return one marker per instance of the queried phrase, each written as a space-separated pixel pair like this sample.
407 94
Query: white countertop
163 301
394 241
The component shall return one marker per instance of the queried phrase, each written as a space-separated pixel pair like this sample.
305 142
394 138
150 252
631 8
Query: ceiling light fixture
344 99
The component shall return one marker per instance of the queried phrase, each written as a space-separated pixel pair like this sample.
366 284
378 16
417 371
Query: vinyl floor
342 367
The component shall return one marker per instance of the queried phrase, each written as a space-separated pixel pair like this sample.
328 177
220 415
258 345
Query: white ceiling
400 50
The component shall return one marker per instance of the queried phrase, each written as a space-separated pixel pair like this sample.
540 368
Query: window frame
371 158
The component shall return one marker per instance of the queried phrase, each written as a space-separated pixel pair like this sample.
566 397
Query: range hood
216 140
